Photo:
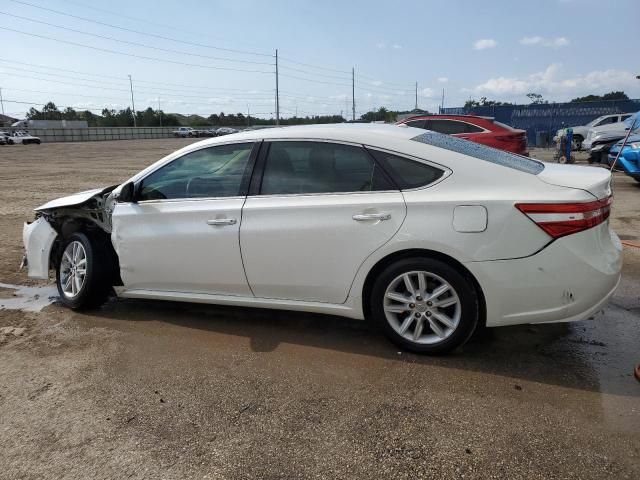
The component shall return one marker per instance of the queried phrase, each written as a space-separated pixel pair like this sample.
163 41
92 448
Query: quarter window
210 172
319 167
407 173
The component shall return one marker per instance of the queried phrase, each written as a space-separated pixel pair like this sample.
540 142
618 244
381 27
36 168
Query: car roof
347 132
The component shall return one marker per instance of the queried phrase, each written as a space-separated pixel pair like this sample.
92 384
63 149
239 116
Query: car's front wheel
425 305
83 273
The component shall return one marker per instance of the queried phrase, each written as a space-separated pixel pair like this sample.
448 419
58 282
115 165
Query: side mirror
127 193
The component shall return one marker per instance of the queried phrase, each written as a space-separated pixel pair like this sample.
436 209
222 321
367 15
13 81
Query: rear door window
416 123
450 127
320 167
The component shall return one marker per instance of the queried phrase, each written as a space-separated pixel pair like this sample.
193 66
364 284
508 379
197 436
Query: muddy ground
142 389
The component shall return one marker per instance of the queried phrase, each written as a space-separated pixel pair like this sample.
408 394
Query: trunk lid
594 180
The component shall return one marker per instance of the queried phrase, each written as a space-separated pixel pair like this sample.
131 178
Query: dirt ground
142 389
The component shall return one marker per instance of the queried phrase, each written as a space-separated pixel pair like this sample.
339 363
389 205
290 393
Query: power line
122 79
314 66
151 92
144 57
104 37
314 73
244 52
315 81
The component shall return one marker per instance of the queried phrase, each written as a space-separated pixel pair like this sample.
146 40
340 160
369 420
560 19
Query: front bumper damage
38 238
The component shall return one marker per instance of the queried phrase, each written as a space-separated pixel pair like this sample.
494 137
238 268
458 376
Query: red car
482 130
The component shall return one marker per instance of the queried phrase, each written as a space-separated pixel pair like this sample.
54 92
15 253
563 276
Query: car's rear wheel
83 273
425 305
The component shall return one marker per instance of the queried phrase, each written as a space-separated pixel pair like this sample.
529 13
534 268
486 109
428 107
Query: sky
204 57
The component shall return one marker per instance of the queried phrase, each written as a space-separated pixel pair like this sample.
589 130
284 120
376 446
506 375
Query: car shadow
568 355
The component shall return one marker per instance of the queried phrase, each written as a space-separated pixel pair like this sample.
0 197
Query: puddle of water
28 299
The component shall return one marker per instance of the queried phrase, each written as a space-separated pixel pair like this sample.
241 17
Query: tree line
156 118
537 99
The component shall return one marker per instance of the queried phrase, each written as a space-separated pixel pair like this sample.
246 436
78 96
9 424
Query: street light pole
1 101
159 111
133 105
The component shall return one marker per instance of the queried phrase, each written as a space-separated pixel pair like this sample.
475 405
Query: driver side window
207 173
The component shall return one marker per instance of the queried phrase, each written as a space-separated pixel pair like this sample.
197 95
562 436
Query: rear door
315 211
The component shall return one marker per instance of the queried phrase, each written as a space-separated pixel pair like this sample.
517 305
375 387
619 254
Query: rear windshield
482 152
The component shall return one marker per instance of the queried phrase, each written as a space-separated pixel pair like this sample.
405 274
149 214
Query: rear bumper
569 280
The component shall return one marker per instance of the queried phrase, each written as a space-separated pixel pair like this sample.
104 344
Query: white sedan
427 235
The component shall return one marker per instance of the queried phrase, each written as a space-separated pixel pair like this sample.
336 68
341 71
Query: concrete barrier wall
95 134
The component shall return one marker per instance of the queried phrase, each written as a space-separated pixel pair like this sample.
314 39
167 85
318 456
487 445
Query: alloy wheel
73 269
422 307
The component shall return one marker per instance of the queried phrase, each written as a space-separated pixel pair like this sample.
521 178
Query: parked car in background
426 234
600 139
209 132
4 136
225 131
484 130
629 159
580 132
185 132
22 137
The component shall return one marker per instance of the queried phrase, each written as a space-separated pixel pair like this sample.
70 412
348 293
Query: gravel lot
143 389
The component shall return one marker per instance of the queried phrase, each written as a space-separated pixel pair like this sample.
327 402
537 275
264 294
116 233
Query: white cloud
426 92
550 81
443 79
545 42
376 83
484 43
381 45
396 46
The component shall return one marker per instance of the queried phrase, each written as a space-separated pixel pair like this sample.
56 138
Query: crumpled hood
75 199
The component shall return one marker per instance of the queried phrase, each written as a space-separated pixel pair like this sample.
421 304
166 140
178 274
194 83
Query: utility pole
133 105
353 93
277 93
159 111
416 95
442 104
1 101
248 116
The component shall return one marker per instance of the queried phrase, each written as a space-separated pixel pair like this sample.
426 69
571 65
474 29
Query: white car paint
306 252
70 200
38 238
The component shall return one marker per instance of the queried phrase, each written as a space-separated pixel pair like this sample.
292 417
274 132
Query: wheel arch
384 262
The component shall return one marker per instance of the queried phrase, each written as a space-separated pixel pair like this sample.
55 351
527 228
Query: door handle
222 221
363 217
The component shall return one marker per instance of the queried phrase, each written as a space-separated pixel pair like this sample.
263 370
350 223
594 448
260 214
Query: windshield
633 122
481 152
594 121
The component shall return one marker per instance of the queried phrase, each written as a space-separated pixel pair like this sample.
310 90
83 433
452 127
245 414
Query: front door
321 209
182 233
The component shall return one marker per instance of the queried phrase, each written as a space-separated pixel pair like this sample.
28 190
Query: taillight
560 219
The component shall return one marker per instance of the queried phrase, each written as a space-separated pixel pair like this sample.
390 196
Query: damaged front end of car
88 212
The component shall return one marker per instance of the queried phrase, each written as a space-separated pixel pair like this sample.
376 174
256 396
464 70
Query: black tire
465 290
99 278
576 143
10 142
37 142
